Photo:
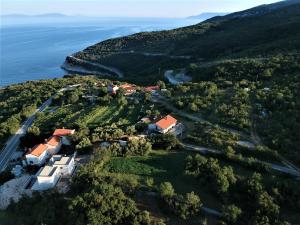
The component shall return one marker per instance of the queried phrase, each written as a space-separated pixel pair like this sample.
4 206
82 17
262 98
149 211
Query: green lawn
163 166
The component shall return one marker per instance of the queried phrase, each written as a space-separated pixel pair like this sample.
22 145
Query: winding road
81 69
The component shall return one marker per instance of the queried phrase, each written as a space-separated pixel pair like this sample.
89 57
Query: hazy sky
128 8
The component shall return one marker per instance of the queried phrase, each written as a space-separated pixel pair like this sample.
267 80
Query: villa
163 125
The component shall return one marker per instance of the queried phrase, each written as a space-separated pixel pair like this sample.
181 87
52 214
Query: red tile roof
63 132
53 140
166 122
152 88
38 150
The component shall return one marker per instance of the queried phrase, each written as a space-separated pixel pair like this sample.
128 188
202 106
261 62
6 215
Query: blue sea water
35 48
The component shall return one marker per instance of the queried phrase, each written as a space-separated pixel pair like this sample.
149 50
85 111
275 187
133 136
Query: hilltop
207 15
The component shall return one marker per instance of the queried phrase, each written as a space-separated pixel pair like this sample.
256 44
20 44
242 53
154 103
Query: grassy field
163 166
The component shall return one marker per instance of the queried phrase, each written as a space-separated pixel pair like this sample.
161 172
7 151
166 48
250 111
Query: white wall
34 160
44 183
54 150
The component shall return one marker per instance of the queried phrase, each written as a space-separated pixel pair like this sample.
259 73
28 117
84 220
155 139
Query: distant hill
260 31
208 15
38 15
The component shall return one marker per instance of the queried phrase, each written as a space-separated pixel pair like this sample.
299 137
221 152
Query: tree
147 96
161 84
192 205
230 151
164 141
231 213
150 182
106 204
35 131
130 130
84 146
166 190
193 107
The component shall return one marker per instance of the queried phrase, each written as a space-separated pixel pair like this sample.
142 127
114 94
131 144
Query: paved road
13 143
97 65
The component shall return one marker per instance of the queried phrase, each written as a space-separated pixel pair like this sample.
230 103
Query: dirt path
276 167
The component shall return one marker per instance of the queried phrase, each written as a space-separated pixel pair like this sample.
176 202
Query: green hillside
260 31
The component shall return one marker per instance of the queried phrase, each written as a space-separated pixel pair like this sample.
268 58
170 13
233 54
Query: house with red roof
41 152
129 88
37 155
64 134
152 89
164 124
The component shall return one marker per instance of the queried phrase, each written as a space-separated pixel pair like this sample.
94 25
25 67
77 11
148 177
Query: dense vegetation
246 200
19 101
251 95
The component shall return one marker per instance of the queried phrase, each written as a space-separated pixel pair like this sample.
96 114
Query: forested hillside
261 31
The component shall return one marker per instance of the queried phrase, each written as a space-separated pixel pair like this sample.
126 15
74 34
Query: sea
34 48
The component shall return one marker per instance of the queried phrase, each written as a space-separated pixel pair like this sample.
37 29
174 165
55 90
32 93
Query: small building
54 144
64 134
152 89
129 88
163 125
38 155
47 177
65 164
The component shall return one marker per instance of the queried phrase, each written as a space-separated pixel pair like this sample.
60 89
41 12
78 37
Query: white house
54 144
64 134
47 178
163 125
38 155
65 164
